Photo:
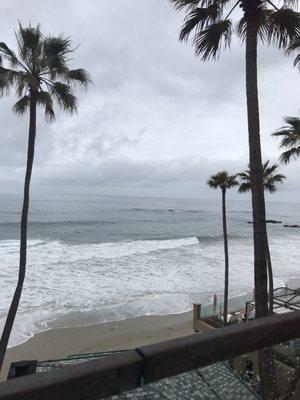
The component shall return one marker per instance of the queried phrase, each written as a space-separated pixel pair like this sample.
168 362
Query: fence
114 374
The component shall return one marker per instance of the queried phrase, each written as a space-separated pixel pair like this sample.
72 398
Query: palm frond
288 155
56 53
279 26
290 139
293 121
187 4
58 46
278 178
64 96
44 99
282 132
8 54
212 183
245 175
282 26
22 83
270 187
79 75
245 184
244 187
22 105
49 112
209 42
28 38
231 181
293 46
269 169
198 18
297 61
8 77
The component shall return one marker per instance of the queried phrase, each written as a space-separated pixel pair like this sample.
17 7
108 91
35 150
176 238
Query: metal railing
117 373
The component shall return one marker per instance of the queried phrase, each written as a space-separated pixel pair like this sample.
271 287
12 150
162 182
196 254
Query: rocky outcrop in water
268 221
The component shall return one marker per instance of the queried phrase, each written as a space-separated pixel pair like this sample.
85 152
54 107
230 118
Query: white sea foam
90 283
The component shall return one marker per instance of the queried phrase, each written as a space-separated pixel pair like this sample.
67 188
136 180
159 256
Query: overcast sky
157 121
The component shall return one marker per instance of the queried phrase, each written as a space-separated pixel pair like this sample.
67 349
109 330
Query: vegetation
222 180
270 179
290 138
294 46
211 27
40 74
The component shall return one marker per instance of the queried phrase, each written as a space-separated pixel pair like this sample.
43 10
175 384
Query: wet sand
120 335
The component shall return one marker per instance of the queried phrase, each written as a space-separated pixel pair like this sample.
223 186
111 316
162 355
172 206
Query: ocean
93 259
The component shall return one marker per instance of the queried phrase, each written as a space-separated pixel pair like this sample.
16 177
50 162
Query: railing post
196 315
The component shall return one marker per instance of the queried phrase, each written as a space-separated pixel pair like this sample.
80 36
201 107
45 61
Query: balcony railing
118 373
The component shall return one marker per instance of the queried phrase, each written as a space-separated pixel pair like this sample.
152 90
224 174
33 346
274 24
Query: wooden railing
117 373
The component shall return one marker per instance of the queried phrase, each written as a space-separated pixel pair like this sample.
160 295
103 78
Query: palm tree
40 74
212 28
290 138
222 180
270 179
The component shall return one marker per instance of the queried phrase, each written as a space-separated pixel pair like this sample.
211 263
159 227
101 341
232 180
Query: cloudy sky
156 121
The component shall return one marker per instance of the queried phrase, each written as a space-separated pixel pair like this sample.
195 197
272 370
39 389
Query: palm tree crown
270 178
222 180
212 28
290 135
40 68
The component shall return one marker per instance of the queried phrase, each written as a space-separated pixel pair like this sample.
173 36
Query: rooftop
214 382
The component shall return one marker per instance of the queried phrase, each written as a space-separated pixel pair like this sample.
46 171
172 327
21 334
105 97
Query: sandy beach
126 334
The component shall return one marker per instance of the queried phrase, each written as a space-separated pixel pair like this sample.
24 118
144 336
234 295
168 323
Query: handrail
117 373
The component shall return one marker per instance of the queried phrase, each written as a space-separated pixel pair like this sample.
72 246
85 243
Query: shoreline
108 336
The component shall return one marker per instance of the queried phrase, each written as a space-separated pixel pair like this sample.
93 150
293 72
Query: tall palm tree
290 138
212 28
270 179
210 24
222 180
40 74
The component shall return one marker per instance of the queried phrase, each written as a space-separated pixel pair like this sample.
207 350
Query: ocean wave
91 283
59 251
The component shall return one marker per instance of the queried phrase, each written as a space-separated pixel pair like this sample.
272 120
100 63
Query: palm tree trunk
225 312
257 188
23 242
270 276
266 362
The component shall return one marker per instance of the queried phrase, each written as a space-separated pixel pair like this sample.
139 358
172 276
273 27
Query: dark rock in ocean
268 221
291 226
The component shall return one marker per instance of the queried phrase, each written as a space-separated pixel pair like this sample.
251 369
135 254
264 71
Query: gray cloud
156 120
